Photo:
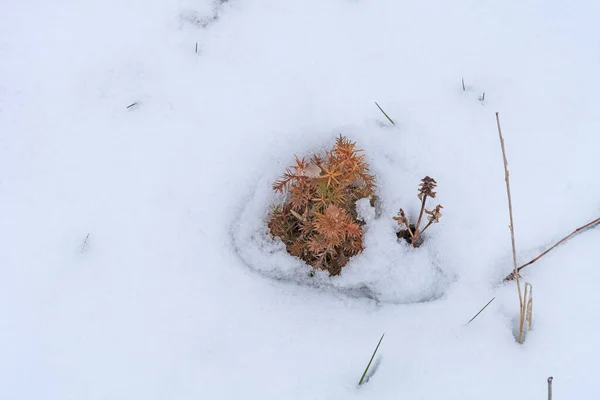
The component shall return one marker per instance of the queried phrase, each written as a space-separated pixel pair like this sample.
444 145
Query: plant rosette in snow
386 270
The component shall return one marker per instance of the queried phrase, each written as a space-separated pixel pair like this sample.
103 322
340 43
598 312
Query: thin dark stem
484 307
362 378
384 113
412 235
85 243
421 213
550 388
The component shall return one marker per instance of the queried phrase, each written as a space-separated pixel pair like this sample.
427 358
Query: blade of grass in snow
362 378
85 243
484 307
381 109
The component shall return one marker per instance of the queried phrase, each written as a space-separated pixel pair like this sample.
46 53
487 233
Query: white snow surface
134 260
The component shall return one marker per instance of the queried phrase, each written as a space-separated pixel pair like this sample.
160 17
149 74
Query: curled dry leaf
401 218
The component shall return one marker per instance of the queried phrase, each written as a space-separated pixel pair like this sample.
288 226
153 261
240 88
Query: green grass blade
480 311
362 378
381 109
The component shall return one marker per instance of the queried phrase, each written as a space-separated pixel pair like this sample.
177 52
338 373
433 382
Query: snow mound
386 271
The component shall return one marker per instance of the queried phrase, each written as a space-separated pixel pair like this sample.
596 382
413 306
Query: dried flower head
401 218
435 214
426 187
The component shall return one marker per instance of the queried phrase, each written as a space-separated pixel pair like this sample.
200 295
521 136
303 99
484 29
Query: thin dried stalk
527 308
425 228
410 232
550 379
589 225
512 231
529 311
421 212
401 219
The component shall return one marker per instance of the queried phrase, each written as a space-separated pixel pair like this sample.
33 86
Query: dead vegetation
525 302
318 221
413 233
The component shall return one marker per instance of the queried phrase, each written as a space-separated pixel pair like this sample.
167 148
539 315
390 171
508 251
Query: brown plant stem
512 230
421 213
426 226
412 235
589 225
550 379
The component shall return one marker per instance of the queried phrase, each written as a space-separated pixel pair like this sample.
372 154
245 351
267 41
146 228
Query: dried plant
528 311
318 221
412 233
522 302
589 225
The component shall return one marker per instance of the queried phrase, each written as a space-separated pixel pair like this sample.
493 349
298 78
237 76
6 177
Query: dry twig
512 231
589 225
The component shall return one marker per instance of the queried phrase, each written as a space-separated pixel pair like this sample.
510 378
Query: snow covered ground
159 301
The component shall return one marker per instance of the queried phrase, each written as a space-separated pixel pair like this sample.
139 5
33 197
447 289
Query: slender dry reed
589 225
512 232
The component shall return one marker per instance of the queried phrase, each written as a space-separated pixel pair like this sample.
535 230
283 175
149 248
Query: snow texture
138 143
